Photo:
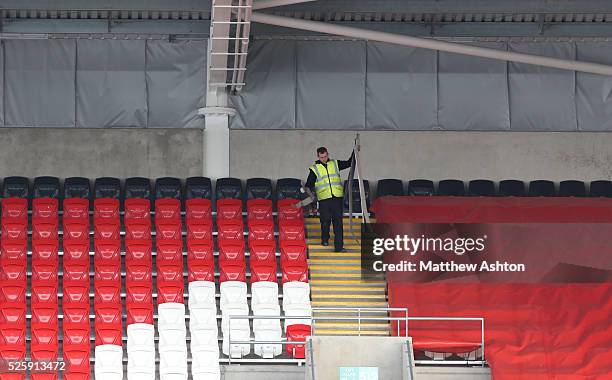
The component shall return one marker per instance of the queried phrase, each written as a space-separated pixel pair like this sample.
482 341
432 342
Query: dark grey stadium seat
451 187
421 187
511 188
168 187
15 187
288 188
107 187
198 187
481 188
77 187
137 187
389 186
356 199
46 187
601 188
259 188
572 188
542 188
228 188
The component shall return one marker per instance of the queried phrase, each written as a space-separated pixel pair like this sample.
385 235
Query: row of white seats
234 302
204 331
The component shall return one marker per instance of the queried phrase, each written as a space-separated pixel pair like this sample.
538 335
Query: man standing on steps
324 179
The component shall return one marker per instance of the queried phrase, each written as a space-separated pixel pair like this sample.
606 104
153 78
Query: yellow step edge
345 288
337 268
336 275
316 282
365 325
358 297
350 303
326 255
350 332
335 261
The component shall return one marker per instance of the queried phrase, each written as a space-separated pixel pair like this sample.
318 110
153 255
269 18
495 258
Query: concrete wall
92 153
433 154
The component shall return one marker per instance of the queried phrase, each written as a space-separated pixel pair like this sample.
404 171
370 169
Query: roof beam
264 4
150 5
454 6
457 29
450 47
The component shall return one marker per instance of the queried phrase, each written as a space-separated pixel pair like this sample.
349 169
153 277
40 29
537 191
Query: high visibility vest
328 180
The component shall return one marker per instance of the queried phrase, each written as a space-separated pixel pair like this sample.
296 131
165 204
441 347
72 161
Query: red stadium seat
199 231
168 208
261 230
44 208
137 208
297 333
107 229
76 208
262 251
168 230
169 271
293 251
232 272
15 208
14 229
200 261
198 209
293 230
231 252
229 209
259 209
106 208
286 211
263 272
138 282
137 230
76 229
230 230
295 272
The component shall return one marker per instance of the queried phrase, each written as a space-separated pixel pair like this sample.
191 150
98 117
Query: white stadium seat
263 293
233 292
266 329
205 364
108 362
295 292
141 351
202 319
202 294
172 341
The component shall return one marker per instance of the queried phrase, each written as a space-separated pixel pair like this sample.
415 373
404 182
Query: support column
216 141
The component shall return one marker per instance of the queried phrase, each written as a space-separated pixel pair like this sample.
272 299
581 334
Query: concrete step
350 332
346 289
352 303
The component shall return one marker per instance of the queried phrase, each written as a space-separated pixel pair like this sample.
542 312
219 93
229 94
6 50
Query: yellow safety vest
328 180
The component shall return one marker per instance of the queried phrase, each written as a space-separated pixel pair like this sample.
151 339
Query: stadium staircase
337 289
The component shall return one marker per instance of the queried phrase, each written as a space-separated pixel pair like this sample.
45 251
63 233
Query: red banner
553 320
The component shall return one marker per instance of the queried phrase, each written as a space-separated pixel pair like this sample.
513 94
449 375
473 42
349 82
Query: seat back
389 187
15 187
46 187
601 189
77 187
288 188
572 188
356 198
228 188
198 187
259 188
137 187
511 188
542 188
168 187
451 187
481 188
107 187
421 187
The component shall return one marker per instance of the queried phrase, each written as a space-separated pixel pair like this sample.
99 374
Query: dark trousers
330 212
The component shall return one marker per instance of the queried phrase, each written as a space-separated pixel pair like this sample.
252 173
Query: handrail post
229 338
359 322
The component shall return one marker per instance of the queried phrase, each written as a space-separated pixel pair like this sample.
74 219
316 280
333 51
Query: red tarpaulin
551 323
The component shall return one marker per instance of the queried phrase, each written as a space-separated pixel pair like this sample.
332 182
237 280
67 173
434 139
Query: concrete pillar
216 141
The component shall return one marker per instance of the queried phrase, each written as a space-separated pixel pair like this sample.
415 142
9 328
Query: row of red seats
75 289
138 261
13 281
169 242
43 302
262 245
230 240
292 241
200 259
107 272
